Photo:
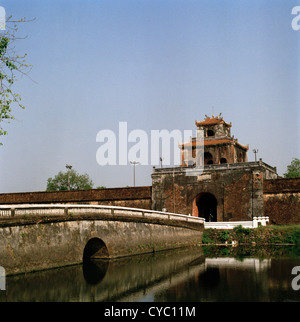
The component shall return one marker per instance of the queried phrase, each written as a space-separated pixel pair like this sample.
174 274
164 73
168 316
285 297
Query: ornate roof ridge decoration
212 120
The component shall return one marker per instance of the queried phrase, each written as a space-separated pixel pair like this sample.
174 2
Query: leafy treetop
11 65
293 170
69 180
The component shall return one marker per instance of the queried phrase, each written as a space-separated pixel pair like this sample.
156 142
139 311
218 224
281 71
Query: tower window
208 158
210 133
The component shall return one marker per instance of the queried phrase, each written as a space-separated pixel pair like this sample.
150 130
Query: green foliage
224 235
206 239
279 235
69 180
241 230
11 65
293 170
293 238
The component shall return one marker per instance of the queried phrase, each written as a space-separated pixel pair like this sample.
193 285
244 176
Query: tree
293 170
69 180
11 65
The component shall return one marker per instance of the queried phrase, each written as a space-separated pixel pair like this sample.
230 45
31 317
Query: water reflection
182 275
94 272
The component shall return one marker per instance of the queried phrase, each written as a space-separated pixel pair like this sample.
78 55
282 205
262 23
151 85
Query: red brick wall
282 200
281 185
237 198
136 197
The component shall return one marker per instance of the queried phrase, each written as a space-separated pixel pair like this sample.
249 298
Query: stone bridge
35 237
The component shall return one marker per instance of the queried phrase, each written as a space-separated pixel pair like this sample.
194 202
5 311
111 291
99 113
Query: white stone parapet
257 221
67 209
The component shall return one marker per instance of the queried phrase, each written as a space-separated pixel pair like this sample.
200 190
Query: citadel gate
205 206
228 189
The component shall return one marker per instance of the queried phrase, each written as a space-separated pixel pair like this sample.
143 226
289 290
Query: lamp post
161 160
134 164
69 167
255 151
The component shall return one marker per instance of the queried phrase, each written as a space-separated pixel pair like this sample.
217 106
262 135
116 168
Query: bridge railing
69 209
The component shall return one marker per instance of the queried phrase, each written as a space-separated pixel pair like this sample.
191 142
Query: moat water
200 274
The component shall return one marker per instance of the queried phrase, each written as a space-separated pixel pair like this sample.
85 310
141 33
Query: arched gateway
205 206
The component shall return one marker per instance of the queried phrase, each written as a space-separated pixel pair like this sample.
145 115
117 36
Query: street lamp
255 151
134 164
69 167
161 160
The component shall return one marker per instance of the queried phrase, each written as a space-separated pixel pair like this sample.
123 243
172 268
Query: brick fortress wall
135 197
281 197
282 200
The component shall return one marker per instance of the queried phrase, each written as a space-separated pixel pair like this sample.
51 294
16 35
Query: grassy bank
267 235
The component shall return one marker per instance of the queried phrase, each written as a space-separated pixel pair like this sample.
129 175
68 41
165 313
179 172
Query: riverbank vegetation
263 235
262 242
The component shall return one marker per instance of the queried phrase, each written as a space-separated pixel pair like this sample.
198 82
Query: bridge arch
95 248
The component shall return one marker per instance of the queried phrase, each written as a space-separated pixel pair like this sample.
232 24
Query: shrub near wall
262 235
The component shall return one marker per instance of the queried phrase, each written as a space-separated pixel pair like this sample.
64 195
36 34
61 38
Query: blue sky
155 64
